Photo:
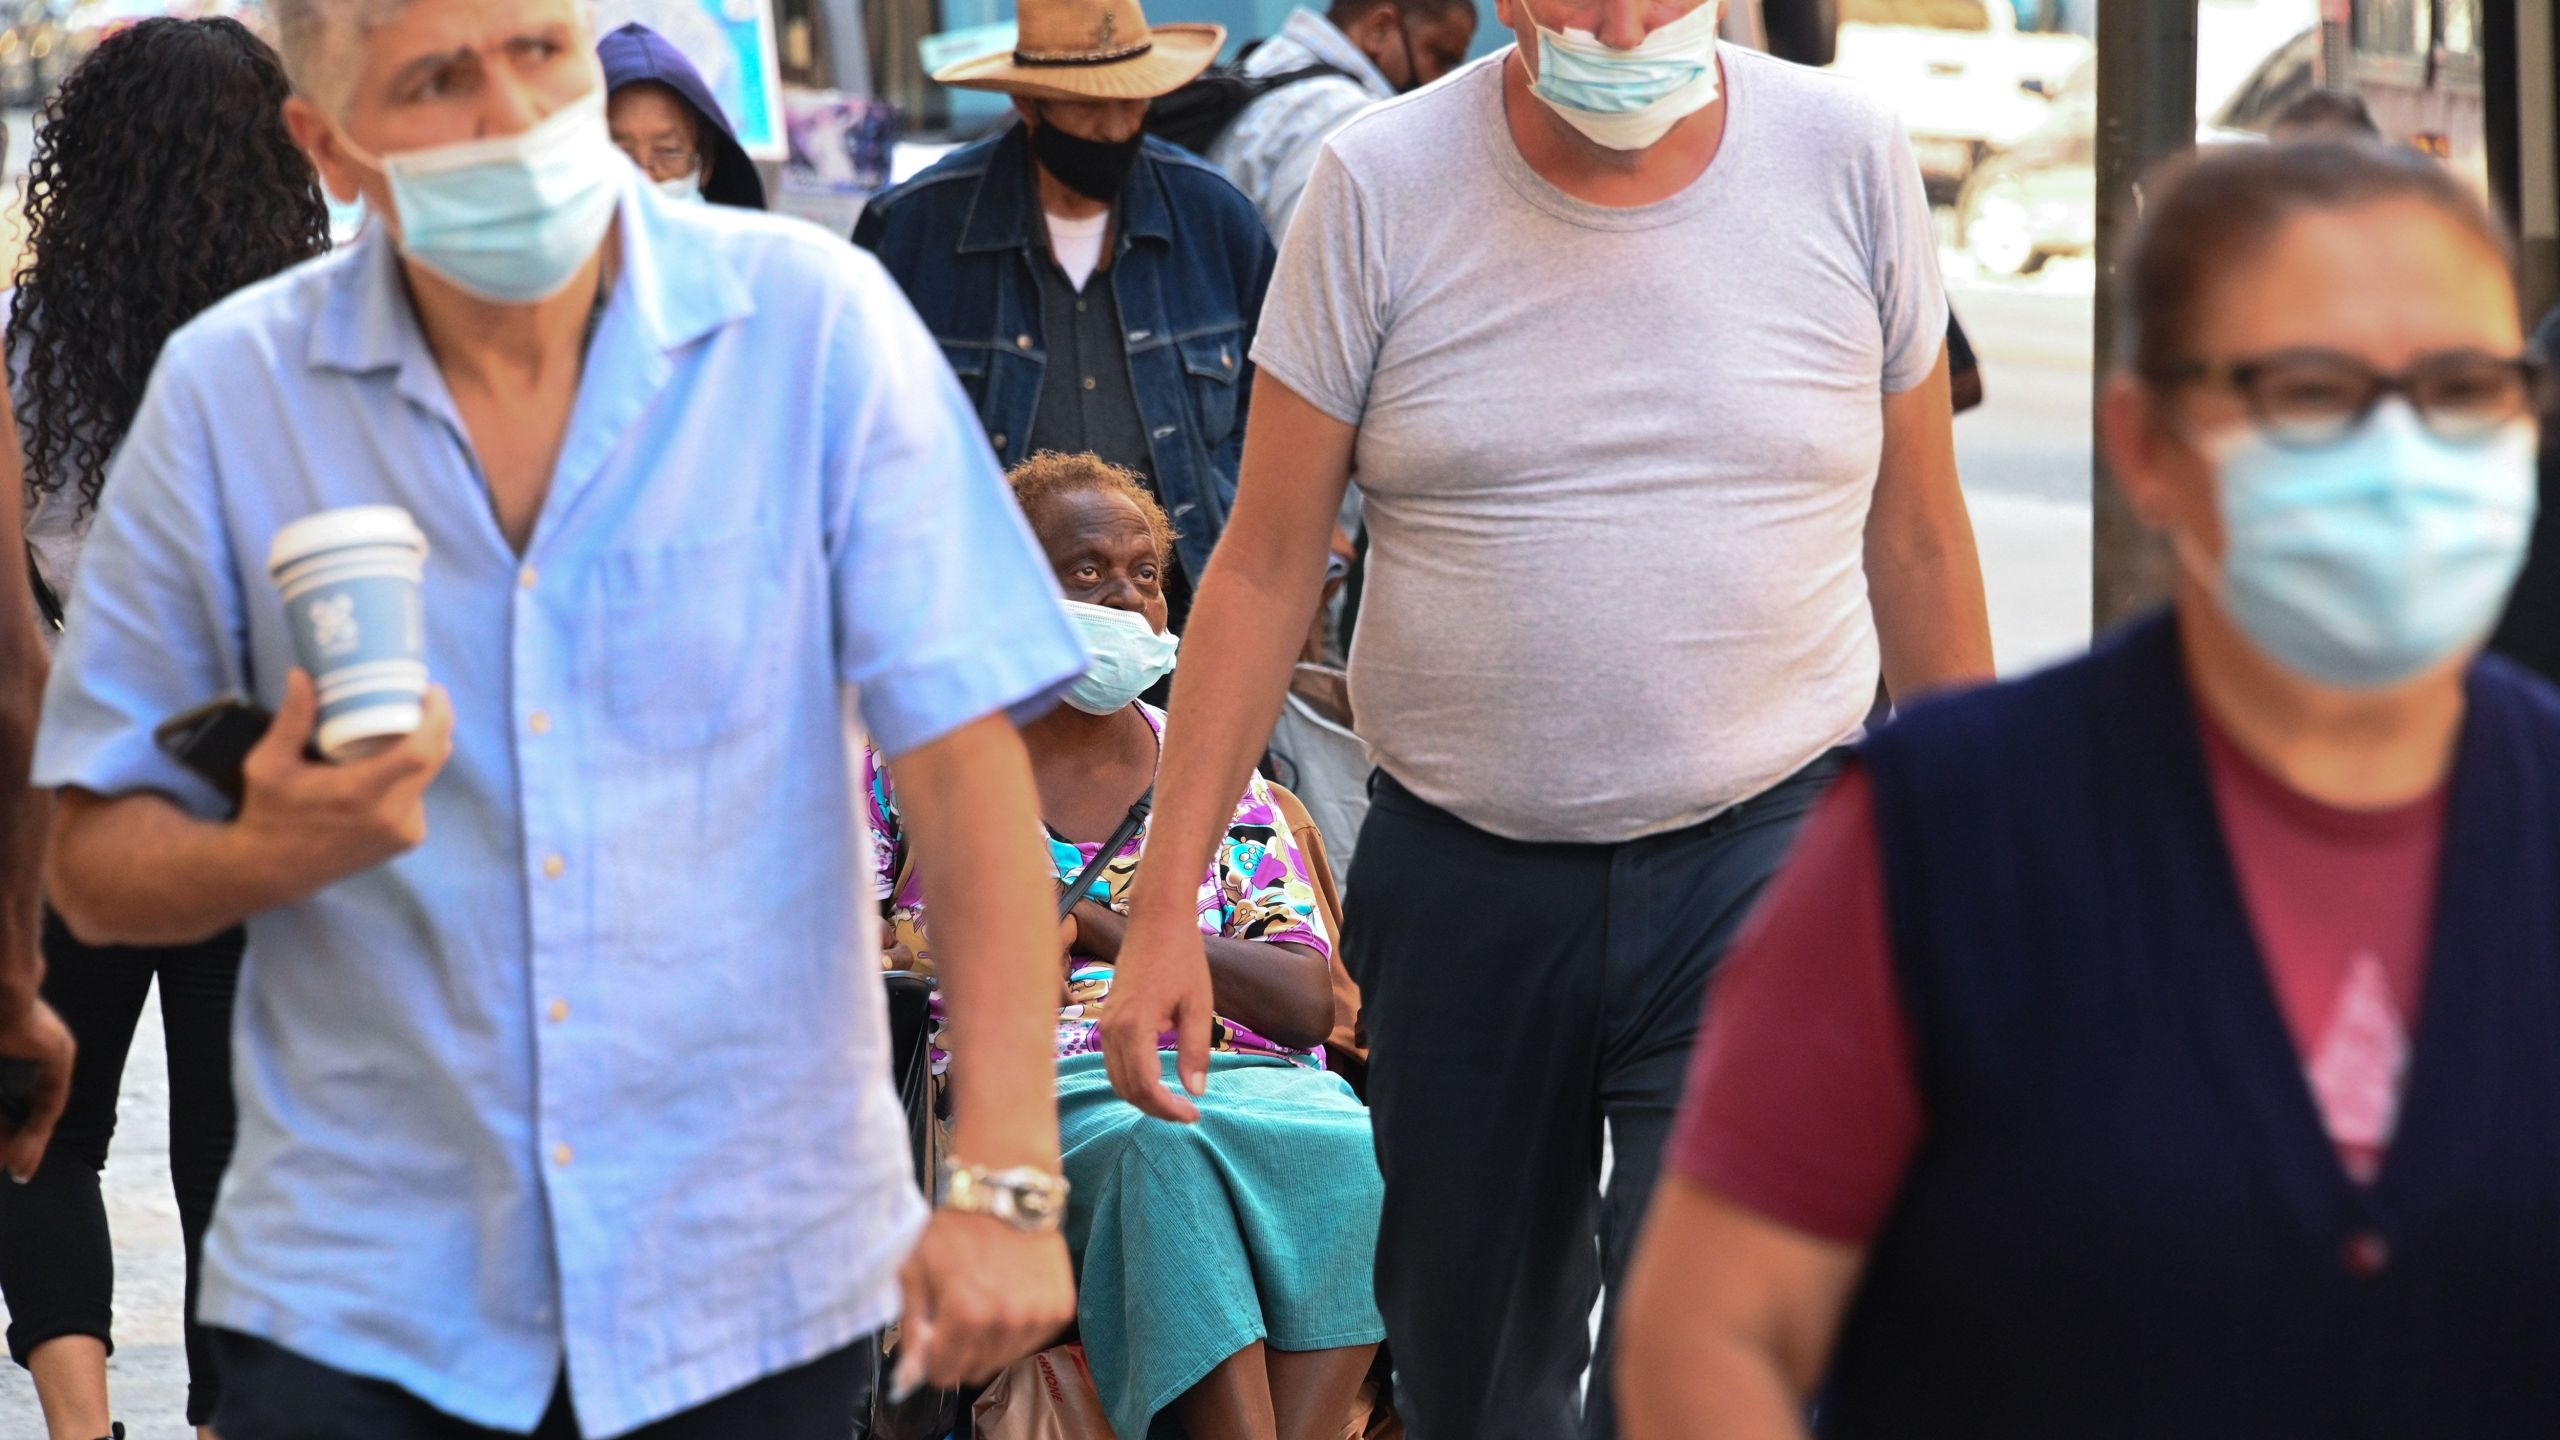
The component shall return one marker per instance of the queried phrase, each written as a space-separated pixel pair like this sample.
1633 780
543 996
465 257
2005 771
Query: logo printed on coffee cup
333 625
351 581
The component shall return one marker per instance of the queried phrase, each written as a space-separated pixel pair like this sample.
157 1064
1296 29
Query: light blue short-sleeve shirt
596 1076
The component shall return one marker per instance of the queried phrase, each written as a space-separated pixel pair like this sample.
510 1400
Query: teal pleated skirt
1193 1241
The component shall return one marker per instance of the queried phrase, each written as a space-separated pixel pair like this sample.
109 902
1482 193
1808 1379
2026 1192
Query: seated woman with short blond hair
1224 1268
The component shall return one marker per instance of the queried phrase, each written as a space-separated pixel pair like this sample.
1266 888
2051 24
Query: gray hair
309 36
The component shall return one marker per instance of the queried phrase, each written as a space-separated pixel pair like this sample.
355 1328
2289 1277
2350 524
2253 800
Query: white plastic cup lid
350 525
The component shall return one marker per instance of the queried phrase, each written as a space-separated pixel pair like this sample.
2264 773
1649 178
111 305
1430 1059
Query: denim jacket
1189 264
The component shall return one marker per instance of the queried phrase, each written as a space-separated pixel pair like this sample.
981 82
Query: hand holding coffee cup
352 582
314 823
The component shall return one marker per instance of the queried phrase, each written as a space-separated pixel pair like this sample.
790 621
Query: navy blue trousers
1519 998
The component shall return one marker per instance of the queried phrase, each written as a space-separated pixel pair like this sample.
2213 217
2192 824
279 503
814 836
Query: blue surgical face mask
1128 657
346 218
1628 99
684 189
2366 563
511 219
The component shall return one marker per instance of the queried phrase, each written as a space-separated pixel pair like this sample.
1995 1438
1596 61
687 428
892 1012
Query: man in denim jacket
1095 289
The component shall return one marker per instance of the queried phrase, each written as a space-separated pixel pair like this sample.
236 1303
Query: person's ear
2152 461
1375 31
340 174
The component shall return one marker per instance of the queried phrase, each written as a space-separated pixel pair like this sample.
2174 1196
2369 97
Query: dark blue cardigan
2126 1218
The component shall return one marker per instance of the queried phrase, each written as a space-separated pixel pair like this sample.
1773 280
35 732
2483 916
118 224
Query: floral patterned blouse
1258 888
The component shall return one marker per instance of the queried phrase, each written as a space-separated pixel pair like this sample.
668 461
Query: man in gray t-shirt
1636 344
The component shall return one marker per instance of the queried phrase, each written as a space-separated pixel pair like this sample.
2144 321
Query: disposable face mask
1128 657
346 218
2365 563
1628 99
684 189
511 219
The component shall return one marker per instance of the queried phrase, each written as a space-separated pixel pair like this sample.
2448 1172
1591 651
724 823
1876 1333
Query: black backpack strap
1287 78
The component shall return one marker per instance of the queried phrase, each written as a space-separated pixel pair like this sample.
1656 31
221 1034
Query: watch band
1025 1197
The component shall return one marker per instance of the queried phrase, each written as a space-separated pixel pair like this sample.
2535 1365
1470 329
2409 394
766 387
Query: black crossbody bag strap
1129 824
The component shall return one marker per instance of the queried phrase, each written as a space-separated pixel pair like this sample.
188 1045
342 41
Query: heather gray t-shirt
1617 460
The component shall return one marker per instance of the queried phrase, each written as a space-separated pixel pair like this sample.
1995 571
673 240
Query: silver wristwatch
1025 1197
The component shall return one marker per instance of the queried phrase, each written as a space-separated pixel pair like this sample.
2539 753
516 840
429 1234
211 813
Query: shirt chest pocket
1210 365
690 655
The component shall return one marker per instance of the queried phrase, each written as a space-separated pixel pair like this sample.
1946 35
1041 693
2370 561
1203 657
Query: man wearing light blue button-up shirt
563 1091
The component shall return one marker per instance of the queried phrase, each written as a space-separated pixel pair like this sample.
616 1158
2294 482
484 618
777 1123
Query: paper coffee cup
351 582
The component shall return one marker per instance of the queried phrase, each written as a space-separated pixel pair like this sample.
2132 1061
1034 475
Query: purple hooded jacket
636 53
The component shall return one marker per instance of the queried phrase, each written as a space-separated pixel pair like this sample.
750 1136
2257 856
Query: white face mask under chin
1628 99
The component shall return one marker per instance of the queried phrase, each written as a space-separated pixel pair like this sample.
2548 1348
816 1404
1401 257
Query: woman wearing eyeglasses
2169 1044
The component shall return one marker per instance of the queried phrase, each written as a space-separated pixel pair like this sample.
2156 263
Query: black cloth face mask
1095 169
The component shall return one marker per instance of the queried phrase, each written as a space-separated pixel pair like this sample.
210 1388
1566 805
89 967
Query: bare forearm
973 816
1676 1386
23 812
1932 621
1924 576
137 870
1283 992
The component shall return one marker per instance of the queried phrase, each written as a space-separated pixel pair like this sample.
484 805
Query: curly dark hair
163 179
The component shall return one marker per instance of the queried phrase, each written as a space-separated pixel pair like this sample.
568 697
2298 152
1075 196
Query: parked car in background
2036 199
1961 73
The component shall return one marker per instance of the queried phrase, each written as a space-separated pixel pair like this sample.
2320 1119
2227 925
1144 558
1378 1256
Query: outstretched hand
1160 985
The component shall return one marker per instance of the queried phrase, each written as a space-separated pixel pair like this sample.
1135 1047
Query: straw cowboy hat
1091 50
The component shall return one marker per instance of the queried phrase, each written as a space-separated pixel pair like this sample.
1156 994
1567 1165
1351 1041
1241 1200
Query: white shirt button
541 722
553 867
559 1012
526 577
561 1155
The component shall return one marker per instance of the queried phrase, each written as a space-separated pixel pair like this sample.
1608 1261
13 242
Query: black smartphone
214 740
17 1088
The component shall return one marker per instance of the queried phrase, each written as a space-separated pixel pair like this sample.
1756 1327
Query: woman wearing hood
664 117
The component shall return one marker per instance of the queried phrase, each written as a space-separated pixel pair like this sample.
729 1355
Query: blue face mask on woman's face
2365 563
1128 657
511 219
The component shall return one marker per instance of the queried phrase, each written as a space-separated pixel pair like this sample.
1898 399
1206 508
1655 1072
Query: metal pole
2523 121
2146 112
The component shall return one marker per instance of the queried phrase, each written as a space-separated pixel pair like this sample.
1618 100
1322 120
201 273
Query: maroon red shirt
1803 1104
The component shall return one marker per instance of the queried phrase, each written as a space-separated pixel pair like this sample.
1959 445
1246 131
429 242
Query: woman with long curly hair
163 179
